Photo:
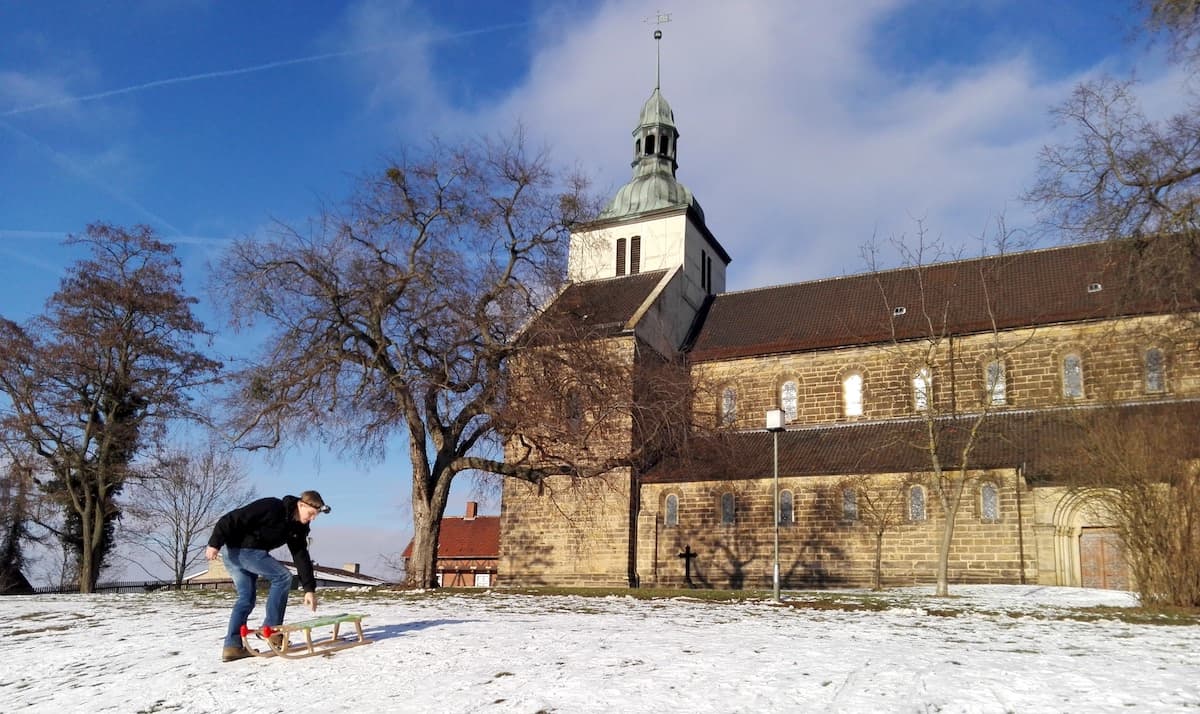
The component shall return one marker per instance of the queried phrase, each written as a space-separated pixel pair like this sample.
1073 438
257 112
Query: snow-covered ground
988 649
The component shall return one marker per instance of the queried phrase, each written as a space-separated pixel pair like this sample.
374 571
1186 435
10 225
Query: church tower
654 223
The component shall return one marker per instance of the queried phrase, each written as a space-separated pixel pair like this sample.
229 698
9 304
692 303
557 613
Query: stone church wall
1113 370
566 537
822 548
571 534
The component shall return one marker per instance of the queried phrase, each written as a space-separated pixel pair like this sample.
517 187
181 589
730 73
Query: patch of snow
1007 650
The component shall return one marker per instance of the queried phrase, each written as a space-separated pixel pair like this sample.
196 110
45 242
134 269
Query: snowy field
988 649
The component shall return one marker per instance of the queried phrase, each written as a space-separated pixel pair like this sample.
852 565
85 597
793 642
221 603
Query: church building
1011 351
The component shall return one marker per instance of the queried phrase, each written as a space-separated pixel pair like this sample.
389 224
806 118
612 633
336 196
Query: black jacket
267 524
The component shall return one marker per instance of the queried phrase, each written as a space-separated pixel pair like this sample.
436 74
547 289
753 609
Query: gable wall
570 531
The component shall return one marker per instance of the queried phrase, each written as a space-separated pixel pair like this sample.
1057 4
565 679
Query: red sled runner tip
278 644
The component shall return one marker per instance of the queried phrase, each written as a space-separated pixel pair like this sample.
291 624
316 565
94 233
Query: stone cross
688 555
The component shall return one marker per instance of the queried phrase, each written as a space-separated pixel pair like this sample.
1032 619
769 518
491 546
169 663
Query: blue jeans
244 566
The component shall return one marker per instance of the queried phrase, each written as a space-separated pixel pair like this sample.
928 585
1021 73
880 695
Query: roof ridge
907 268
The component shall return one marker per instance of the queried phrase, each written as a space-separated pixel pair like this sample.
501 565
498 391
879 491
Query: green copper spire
655 145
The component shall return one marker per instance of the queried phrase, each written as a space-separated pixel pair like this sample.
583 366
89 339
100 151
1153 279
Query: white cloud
794 138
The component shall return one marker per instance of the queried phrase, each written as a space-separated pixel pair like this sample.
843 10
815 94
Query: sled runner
307 648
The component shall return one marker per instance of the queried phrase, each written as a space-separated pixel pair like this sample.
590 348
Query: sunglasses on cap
318 509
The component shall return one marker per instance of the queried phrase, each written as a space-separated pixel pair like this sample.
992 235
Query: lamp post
775 425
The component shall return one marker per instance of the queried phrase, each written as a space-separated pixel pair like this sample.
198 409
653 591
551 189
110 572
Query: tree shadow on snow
387 632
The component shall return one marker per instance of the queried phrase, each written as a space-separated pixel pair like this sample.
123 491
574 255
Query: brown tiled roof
477 537
1031 439
1032 288
596 308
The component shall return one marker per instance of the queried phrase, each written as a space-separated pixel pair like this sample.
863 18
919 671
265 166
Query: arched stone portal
1086 550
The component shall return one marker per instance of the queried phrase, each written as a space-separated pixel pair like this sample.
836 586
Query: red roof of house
478 537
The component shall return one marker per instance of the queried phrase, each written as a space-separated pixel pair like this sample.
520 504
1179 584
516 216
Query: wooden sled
307 648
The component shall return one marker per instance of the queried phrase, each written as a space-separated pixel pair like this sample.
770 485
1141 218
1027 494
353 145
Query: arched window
664 145
574 411
728 406
671 512
989 502
787 508
1156 371
620 256
996 383
727 512
916 503
852 394
635 255
1072 376
789 400
922 383
650 145
849 504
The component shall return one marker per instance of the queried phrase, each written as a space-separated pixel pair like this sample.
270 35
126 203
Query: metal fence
136 586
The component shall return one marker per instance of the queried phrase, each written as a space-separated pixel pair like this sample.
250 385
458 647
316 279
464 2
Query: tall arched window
728 406
922 382
996 383
916 503
671 512
787 508
620 256
849 504
1156 370
574 411
789 400
1072 376
852 394
727 512
989 502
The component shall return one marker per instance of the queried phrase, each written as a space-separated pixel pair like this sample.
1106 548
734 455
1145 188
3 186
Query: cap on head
314 499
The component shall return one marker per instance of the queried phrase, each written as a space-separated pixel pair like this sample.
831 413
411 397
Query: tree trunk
950 508
428 510
877 576
87 558
422 563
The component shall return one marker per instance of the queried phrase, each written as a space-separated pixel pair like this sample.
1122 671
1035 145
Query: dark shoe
232 654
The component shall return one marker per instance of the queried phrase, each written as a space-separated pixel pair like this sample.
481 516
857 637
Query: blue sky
805 129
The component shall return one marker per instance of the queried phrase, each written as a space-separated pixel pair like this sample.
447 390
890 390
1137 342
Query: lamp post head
775 420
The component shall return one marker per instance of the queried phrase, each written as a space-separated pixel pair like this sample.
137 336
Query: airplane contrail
75 168
243 70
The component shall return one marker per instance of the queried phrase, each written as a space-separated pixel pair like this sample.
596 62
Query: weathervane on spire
660 18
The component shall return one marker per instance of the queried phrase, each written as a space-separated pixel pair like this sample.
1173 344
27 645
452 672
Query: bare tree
402 316
1180 21
880 508
1138 469
1131 179
96 377
177 500
950 301
16 493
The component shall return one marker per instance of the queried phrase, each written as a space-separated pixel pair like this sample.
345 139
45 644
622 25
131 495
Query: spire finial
660 18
